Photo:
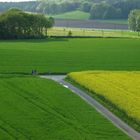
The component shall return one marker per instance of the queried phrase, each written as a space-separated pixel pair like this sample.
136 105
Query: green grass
72 15
114 21
85 16
62 31
39 109
67 55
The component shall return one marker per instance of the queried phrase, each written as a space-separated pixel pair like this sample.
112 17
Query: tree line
98 9
16 24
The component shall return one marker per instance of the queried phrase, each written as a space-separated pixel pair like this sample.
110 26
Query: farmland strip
114 119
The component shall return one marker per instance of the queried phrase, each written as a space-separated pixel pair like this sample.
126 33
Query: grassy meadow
67 55
80 15
72 15
32 108
62 31
119 90
115 21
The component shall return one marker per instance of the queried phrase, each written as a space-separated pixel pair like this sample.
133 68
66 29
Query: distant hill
97 9
72 15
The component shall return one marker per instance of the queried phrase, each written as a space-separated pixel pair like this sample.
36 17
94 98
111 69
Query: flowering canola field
120 88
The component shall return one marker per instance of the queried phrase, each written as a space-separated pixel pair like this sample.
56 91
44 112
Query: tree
133 20
97 10
86 6
15 23
111 13
138 23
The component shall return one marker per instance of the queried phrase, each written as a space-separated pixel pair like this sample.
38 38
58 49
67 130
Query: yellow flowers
121 88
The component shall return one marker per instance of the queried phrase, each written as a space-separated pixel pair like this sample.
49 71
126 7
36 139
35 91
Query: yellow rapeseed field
121 88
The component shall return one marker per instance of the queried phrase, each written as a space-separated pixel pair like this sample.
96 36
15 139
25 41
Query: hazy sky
14 0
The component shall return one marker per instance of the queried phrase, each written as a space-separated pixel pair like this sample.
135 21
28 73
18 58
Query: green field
85 16
72 15
114 21
67 55
62 31
39 109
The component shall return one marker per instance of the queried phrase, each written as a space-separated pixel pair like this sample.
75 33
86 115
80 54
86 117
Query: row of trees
116 9
30 6
98 9
56 8
134 20
15 23
45 7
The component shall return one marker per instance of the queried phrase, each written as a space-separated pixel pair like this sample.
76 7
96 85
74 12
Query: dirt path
101 109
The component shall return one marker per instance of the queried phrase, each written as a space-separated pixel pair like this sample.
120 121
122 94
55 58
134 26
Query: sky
14 0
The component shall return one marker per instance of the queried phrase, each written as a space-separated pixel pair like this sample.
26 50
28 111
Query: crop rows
39 109
67 55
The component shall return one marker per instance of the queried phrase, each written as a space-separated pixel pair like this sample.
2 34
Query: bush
70 33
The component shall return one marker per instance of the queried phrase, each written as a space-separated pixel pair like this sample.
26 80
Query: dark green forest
98 9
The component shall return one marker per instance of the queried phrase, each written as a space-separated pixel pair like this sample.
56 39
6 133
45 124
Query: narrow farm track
105 112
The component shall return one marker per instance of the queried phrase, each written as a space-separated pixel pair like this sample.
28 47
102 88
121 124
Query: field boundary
125 37
93 33
94 103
